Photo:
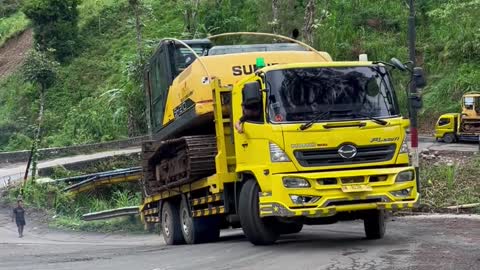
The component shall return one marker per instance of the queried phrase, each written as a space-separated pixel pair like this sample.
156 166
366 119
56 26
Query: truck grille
328 157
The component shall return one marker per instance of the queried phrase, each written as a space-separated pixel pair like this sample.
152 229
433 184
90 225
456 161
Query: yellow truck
269 137
465 126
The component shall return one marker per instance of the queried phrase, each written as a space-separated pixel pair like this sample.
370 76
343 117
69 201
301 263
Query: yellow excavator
463 126
471 112
178 80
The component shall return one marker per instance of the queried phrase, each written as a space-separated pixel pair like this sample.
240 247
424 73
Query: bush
55 25
8 7
18 141
12 25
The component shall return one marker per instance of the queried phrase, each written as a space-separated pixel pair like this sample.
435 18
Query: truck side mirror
419 77
251 93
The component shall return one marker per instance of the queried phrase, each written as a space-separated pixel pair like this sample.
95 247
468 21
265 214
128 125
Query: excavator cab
169 60
471 112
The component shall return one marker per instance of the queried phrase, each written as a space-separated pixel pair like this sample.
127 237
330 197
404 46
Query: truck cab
330 141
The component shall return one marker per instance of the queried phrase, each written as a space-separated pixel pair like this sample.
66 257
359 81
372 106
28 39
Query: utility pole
414 98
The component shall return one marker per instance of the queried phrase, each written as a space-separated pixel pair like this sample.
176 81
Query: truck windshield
340 93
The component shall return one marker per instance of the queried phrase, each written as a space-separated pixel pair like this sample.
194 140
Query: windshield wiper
317 118
325 114
374 119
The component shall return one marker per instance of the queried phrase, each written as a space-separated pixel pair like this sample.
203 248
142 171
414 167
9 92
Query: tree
136 68
309 22
190 10
8 7
275 21
55 25
40 70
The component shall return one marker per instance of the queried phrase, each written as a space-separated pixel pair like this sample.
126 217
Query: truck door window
252 113
443 121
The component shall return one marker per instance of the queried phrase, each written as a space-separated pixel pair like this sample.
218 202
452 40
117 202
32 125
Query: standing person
19 216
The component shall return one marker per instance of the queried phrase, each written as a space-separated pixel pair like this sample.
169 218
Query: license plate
356 188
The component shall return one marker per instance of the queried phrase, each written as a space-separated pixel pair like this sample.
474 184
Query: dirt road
411 243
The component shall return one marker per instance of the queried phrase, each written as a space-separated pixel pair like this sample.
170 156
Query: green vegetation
97 98
8 7
40 70
55 26
67 211
450 183
12 25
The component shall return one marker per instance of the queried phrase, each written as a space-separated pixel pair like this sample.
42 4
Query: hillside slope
95 99
13 52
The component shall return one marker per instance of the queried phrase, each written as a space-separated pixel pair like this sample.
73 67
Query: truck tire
171 227
259 231
288 228
197 230
449 138
374 223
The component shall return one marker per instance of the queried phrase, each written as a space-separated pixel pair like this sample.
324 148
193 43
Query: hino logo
347 151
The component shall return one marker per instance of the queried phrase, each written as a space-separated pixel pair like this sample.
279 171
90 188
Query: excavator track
471 125
179 161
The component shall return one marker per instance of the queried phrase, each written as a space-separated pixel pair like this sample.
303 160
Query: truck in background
465 126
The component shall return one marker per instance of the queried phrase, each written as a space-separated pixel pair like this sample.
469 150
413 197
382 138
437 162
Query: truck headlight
277 154
405 176
295 182
404 148
298 199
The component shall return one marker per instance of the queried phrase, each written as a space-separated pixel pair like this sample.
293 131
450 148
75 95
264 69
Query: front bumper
342 196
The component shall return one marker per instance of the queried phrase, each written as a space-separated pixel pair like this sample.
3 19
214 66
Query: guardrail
46 153
114 213
9 180
88 182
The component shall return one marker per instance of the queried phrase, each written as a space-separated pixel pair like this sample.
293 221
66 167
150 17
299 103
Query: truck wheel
288 228
258 230
171 228
449 138
374 223
200 229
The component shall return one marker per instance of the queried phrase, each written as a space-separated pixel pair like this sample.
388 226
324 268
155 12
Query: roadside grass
65 212
12 25
117 225
447 184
